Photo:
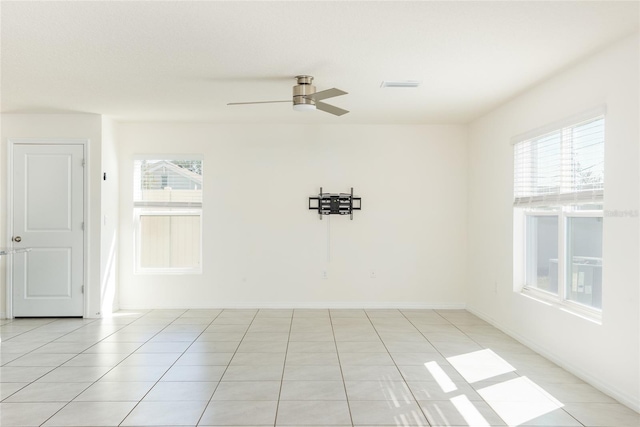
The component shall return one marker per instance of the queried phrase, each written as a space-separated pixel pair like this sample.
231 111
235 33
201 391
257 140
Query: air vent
400 83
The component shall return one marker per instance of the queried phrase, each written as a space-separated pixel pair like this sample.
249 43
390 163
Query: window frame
561 298
147 211
593 311
563 209
146 208
525 214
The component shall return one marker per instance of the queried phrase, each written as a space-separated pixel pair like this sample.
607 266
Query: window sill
579 310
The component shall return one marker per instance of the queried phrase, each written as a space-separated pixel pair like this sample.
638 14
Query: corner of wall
109 211
608 77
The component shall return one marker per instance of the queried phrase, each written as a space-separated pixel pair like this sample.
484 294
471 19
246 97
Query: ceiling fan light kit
304 107
305 98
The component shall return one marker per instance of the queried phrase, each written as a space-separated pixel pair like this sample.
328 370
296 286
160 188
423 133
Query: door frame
11 142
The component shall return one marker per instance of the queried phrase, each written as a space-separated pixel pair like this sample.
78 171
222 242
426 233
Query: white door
48 217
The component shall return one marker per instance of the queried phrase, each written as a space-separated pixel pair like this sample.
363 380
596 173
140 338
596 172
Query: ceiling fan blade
324 94
330 109
257 102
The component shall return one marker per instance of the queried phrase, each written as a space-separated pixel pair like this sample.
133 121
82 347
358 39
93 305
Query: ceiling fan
305 97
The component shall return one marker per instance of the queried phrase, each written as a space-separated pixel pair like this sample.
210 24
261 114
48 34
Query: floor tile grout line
439 352
102 340
344 383
396 365
479 344
109 370
428 340
455 326
411 320
92 383
284 366
53 368
228 364
49 342
170 366
515 372
53 320
61 365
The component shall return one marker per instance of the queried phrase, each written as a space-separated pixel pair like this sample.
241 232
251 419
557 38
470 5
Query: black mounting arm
335 203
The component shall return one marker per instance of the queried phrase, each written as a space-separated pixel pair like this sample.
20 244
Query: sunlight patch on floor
441 377
519 400
480 365
469 412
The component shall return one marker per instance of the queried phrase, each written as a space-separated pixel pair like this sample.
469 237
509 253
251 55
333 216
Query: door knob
17 239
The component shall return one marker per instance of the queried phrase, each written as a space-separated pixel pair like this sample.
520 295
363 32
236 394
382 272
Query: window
584 260
558 196
167 203
542 251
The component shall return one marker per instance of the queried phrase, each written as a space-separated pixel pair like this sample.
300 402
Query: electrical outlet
324 274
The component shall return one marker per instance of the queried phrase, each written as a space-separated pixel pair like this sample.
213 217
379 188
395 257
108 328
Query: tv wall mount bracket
335 203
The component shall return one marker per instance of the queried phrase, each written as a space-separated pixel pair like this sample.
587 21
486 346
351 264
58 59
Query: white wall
52 126
606 355
110 198
263 247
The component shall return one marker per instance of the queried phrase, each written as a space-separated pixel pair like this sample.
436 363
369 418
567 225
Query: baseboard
309 305
613 392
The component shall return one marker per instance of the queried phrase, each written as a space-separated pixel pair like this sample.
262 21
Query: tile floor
286 368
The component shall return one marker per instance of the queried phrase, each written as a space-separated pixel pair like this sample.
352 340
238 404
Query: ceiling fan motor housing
303 89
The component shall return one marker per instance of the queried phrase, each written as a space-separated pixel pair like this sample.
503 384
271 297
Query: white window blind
562 166
167 183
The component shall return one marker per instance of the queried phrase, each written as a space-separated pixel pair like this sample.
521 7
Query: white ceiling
184 61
